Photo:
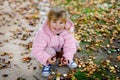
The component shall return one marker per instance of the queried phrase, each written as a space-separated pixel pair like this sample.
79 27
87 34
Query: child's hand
52 60
64 61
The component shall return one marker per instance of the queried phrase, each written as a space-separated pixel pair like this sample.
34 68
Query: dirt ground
16 34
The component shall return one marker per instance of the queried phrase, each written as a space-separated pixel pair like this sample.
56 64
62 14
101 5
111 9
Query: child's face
57 26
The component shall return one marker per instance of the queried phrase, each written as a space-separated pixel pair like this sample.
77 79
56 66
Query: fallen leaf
26 59
5 75
118 57
3 54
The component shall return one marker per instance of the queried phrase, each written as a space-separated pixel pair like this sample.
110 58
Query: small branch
36 77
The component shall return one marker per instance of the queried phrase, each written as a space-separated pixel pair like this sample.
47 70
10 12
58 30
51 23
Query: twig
36 77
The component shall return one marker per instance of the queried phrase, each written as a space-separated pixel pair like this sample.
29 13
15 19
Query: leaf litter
94 28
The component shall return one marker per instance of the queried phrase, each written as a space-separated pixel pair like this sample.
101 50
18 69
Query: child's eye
54 21
61 22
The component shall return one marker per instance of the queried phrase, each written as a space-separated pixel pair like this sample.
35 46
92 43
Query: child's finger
65 61
62 60
54 59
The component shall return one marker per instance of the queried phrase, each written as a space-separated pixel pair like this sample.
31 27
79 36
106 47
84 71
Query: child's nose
58 25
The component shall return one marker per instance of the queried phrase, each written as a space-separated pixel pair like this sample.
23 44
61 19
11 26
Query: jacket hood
46 28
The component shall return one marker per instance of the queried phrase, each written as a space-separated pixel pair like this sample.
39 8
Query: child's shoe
72 65
46 70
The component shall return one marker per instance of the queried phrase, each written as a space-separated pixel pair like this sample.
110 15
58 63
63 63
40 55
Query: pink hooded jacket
46 38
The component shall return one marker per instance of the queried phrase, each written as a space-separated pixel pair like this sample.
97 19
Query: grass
95 26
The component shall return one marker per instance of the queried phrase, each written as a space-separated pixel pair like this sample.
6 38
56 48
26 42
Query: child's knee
50 51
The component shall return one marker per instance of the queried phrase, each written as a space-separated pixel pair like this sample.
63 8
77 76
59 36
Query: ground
16 32
19 21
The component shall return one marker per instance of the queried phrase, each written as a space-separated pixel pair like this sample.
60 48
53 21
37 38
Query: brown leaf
24 53
3 54
2 33
26 59
92 48
5 75
1 44
118 57
10 55
34 68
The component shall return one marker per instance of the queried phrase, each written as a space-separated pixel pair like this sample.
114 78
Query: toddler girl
54 41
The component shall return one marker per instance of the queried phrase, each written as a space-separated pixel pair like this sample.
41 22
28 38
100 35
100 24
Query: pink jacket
45 38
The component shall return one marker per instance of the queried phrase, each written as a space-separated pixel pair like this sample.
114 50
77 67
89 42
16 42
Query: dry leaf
118 57
3 54
1 44
5 75
26 59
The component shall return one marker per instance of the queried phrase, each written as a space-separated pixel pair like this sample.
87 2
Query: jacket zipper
58 43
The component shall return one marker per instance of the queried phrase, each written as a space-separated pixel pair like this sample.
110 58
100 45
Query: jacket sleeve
39 44
69 47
